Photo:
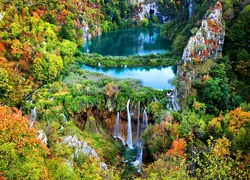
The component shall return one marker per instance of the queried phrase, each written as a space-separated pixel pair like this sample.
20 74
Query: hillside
58 121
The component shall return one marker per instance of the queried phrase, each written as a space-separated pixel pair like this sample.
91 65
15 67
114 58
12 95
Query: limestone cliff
202 48
209 39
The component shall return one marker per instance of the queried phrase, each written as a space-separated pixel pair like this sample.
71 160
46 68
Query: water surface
125 42
157 78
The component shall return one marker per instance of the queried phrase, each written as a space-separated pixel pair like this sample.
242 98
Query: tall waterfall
138 161
129 136
138 142
144 120
190 8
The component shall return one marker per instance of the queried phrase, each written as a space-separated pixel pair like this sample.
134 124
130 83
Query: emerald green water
125 42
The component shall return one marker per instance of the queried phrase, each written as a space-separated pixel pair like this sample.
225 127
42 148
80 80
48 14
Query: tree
22 154
5 86
177 148
238 119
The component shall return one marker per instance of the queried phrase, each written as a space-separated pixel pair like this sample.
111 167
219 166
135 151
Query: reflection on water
127 42
158 78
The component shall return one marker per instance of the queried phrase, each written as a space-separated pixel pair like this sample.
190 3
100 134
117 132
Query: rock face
42 136
206 44
144 10
209 39
82 147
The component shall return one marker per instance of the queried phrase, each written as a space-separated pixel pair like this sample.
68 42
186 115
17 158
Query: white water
64 117
138 141
117 126
172 97
190 8
140 160
117 129
129 136
144 120
32 117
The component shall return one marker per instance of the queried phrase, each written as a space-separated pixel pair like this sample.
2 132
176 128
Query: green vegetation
153 60
207 139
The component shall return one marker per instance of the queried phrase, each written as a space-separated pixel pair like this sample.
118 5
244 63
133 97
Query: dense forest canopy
52 112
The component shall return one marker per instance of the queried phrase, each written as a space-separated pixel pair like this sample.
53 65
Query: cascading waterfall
141 126
190 8
138 141
129 136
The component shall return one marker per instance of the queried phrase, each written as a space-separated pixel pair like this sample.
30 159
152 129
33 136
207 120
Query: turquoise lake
157 78
125 42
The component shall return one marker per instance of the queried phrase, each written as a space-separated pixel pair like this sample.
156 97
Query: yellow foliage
238 119
199 106
222 147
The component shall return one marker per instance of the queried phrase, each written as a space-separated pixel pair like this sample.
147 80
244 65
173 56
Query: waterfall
140 160
33 114
190 8
129 136
117 129
64 117
138 142
32 117
144 120
172 96
42 136
117 126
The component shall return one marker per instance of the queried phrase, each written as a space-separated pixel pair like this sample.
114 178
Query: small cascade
42 136
190 9
117 129
138 141
144 120
172 97
140 160
64 117
117 126
129 136
32 117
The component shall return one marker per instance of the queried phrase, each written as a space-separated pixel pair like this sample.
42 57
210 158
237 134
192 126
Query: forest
57 120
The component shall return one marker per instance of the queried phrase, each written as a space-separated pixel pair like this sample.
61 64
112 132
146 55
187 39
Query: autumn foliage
21 152
238 119
177 148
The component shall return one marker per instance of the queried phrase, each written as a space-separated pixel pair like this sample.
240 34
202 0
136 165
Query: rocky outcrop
206 44
82 147
42 136
209 39
145 9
